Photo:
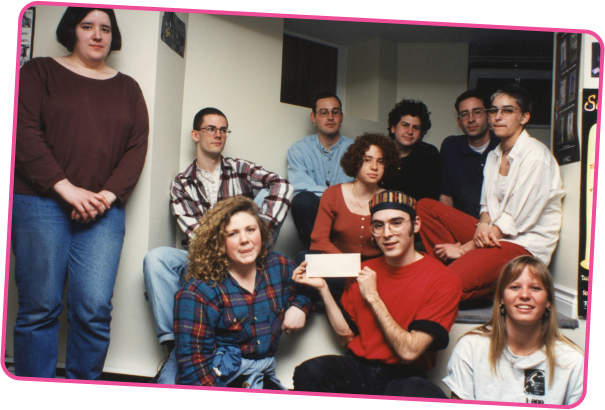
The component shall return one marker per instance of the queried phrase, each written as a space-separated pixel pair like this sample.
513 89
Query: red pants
478 269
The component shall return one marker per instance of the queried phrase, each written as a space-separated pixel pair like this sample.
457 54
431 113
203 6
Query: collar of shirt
465 148
517 148
323 149
191 172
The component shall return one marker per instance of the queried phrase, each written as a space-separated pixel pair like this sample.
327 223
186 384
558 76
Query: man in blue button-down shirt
314 163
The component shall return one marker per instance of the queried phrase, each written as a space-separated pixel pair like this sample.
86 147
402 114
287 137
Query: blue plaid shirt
207 317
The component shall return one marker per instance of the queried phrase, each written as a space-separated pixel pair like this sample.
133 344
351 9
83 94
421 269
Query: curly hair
207 257
415 108
352 159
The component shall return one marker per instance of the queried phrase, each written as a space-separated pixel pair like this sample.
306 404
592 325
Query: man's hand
448 251
87 205
367 284
300 276
294 320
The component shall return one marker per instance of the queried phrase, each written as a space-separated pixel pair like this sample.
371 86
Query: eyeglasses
506 111
210 130
476 113
325 112
395 226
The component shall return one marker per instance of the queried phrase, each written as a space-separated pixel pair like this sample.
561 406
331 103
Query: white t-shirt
518 379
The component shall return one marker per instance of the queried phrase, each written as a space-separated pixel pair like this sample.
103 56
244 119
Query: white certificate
337 265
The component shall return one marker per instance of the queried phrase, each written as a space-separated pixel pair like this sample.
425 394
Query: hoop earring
547 313
502 309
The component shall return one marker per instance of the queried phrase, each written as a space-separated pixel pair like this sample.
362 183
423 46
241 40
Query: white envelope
338 265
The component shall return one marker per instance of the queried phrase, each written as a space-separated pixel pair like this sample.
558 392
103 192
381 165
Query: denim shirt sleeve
299 176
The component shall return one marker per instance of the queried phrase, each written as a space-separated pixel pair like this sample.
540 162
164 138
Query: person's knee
162 259
308 374
424 205
154 258
305 201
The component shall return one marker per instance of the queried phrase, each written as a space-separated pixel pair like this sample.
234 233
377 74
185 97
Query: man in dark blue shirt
463 156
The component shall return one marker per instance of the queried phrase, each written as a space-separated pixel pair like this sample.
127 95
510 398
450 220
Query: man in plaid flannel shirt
209 179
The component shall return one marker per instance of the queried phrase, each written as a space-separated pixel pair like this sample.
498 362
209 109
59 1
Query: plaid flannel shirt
207 317
189 201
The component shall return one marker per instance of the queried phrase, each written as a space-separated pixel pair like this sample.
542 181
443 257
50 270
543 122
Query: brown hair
495 329
352 159
207 258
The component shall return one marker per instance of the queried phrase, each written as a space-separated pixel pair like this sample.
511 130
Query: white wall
436 74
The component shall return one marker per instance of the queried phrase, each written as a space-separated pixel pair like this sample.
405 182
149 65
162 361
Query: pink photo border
313 17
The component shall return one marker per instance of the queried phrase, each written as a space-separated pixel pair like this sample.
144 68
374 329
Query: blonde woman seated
238 298
528 359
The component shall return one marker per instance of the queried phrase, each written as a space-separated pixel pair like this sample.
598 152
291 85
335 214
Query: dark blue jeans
50 250
354 375
304 211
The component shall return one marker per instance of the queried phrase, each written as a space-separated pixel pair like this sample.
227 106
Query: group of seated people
435 231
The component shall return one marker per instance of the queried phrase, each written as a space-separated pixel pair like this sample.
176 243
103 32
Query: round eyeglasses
476 113
395 226
210 130
325 112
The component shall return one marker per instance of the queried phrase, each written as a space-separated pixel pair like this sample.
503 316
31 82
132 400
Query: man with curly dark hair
314 163
419 172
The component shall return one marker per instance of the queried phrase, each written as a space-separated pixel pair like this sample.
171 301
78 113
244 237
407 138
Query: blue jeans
51 250
164 269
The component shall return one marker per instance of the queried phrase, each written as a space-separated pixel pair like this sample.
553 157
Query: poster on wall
596 60
590 103
27 35
566 143
173 32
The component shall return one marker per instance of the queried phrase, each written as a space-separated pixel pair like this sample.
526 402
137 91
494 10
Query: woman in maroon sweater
81 142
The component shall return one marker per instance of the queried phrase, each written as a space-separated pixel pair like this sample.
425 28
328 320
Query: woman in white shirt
520 204
529 361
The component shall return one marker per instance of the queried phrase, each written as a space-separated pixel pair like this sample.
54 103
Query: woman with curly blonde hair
238 298
529 360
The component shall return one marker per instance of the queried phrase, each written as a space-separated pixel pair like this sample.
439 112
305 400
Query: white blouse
530 213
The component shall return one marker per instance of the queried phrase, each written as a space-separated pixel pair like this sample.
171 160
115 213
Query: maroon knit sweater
338 230
92 132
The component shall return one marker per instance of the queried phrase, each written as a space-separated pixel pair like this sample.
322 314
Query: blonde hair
495 329
207 257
